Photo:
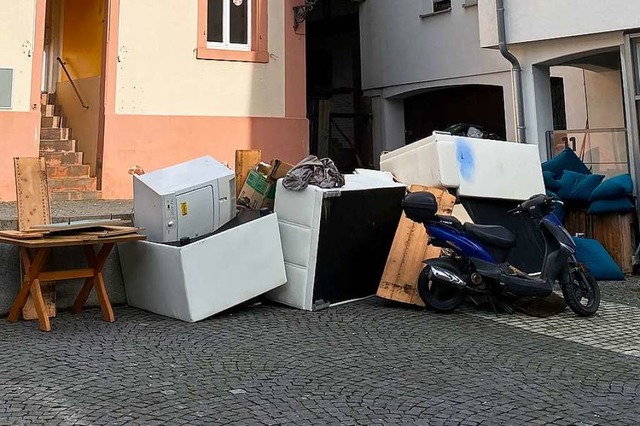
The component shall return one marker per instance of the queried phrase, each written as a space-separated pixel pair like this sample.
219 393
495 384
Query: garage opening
436 110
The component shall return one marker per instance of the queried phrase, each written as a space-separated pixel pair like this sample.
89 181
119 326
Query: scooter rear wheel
435 293
581 292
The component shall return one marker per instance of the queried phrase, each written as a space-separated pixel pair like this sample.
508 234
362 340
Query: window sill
466 5
232 55
440 12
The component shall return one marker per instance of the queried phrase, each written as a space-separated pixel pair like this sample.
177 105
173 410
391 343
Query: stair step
52 122
75 195
53 158
69 170
47 98
49 110
72 184
68 145
54 134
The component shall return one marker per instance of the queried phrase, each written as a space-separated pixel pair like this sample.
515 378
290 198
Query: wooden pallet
614 231
408 251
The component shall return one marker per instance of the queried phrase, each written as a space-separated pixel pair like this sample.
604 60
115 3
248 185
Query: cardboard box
259 190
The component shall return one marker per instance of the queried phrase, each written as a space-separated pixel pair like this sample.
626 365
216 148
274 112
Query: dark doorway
558 104
340 118
438 109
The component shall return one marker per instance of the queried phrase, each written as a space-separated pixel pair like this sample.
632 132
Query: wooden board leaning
408 250
32 201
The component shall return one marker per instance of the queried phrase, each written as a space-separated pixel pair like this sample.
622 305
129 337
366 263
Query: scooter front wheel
437 294
581 292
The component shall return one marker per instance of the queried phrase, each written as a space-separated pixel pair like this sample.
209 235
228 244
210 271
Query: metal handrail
570 139
550 134
64 68
587 131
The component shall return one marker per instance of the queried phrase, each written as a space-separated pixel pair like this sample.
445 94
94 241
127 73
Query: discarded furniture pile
474 180
206 238
599 209
304 236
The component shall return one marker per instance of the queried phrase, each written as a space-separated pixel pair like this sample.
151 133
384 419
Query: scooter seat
497 236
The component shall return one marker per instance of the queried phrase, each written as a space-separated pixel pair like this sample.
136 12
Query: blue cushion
550 182
597 260
566 160
619 205
578 186
615 187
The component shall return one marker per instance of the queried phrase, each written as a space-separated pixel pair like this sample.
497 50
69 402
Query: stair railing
73 84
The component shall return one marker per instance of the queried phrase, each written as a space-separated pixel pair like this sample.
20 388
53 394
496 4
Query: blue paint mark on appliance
465 159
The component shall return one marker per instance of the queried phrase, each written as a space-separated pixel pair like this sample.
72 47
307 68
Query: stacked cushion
568 177
566 160
612 188
618 205
578 186
612 196
550 181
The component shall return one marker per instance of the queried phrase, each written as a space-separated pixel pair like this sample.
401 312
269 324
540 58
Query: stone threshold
62 211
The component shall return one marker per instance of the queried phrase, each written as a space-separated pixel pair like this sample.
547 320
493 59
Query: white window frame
428 8
226 29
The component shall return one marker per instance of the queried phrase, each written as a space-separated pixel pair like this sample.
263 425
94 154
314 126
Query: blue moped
474 259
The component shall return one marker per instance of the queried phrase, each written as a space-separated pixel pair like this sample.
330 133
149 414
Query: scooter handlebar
532 203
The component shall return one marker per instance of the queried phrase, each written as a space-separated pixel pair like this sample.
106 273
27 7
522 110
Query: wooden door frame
107 79
102 109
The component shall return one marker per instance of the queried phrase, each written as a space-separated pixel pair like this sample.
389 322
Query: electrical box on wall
6 87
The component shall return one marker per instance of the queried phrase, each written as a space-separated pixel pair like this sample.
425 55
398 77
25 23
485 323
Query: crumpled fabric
312 171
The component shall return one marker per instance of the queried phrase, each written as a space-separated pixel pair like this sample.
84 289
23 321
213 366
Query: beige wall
596 95
83 122
17 19
158 72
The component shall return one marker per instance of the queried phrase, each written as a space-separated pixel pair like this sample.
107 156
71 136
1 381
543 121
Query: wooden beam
70 274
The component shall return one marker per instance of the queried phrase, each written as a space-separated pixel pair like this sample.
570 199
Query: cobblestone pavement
368 362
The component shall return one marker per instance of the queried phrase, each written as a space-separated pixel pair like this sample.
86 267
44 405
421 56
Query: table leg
83 295
103 299
32 268
41 308
97 263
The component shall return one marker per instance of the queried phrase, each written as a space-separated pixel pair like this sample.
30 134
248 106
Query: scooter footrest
527 286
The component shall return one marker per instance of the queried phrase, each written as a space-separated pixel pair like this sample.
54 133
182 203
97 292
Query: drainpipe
516 70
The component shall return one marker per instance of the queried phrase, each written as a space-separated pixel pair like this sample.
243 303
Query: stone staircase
68 177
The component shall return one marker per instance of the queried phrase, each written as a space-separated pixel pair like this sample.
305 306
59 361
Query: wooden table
33 254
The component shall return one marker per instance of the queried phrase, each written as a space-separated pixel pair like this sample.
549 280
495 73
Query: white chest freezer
206 277
475 167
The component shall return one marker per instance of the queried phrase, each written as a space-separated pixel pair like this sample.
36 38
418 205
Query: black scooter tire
573 299
440 297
